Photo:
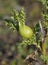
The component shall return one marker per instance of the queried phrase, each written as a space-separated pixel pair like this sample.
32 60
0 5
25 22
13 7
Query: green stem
43 49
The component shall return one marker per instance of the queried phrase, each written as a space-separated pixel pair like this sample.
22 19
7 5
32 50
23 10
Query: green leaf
12 23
